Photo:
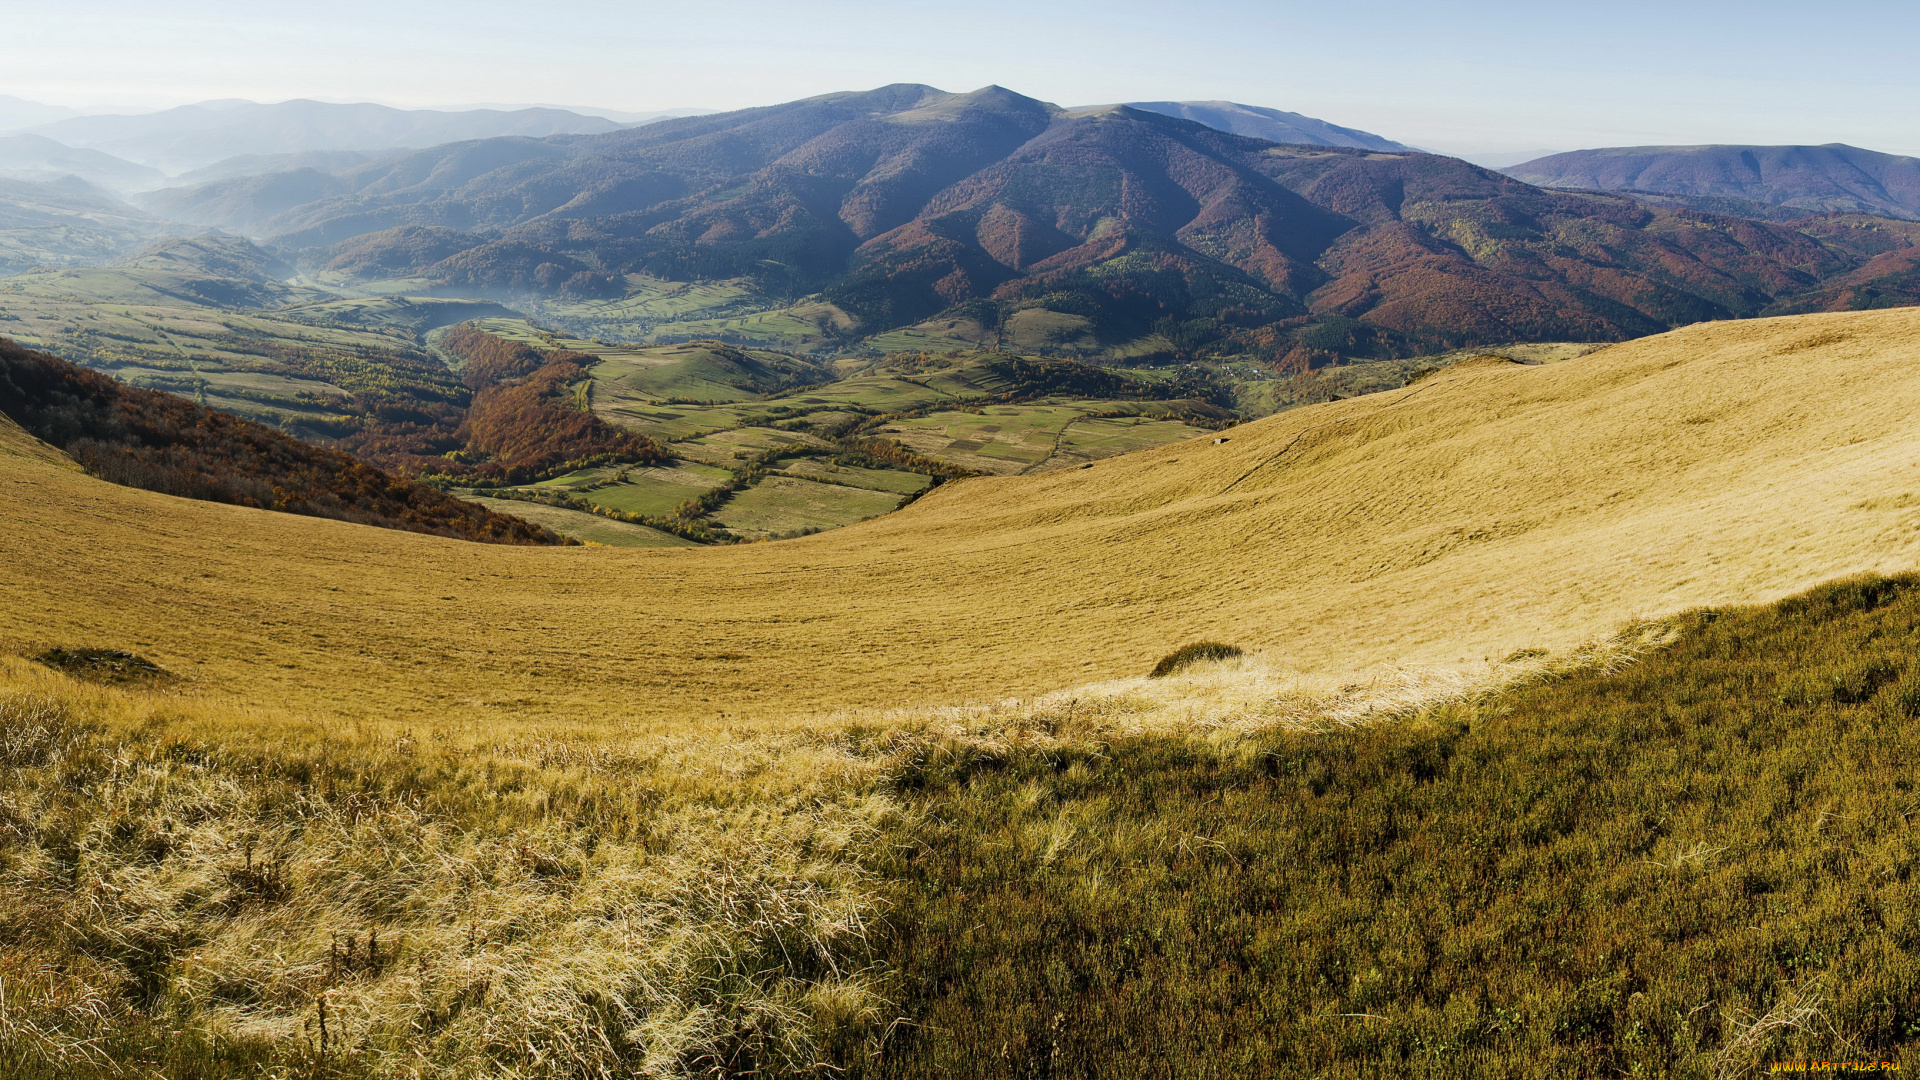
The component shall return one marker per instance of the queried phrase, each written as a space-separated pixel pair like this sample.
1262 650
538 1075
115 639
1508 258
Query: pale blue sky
1474 76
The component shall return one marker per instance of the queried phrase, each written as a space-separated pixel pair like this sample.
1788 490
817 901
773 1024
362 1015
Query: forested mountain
901 203
1834 177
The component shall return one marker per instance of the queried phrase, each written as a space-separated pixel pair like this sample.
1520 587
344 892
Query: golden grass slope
1489 508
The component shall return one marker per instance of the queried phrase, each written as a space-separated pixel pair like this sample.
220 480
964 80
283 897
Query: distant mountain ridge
1831 178
1128 231
1273 125
196 136
38 158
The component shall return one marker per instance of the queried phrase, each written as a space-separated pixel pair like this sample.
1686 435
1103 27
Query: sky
1484 78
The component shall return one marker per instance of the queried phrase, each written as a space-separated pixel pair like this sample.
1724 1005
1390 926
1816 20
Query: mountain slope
1487 509
1126 230
1273 125
1834 177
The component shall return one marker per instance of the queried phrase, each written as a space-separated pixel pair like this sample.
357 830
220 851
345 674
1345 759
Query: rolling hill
1820 179
1108 232
1490 508
306 796
67 223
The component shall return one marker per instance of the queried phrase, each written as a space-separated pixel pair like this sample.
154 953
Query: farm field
582 526
731 311
266 366
634 489
1010 439
788 505
894 480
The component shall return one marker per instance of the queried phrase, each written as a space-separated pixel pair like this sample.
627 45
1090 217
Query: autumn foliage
525 420
147 439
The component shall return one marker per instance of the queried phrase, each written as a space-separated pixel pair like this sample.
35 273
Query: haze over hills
196 136
1833 177
17 113
67 223
36 157
1117 228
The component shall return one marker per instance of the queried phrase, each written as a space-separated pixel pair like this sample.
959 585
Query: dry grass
1228 701
390 903
1484 510
394 906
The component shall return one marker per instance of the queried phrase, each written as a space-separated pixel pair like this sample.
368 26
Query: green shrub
102 665
1188 655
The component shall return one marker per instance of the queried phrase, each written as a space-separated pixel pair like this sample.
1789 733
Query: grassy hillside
1486 509
1693 866
1682 853
903 801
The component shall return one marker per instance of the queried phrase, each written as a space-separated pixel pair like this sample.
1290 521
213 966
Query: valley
908 584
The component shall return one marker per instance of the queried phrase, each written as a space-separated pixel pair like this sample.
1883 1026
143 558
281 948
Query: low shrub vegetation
1689 866
1188 655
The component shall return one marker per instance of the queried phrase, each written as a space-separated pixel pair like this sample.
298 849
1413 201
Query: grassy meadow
1485 509
1683 851
901 801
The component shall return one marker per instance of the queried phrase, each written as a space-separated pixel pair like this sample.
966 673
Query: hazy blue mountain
38 158
326 161
1834 177
622 116
196 136
1273 125
17 114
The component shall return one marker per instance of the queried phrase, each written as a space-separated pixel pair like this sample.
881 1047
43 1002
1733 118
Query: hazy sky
1473 76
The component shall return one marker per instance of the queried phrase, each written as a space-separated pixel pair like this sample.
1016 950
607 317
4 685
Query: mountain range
1812 179
906 202
195 136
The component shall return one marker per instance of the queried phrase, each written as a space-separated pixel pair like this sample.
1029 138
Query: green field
268 366
582 526
784 505
638 376
656 310
1008 439
632 489
894 480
